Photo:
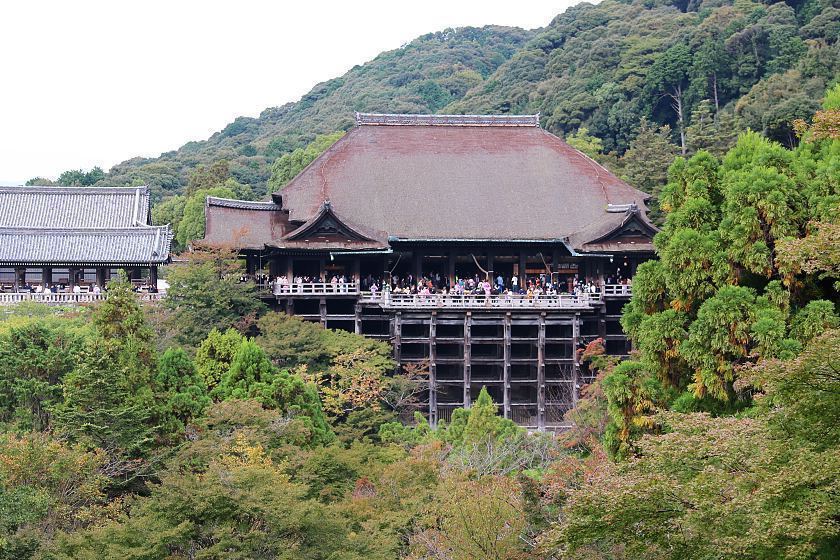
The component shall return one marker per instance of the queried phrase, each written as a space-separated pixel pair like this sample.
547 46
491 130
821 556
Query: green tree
484 421
476 519
34 358
81 178
252 376
668 77
40 182
46 486
206 293
180 391
713 132
121 323
586 143
645 164
762 202
708 485
249 371
215 354
100 412
170 211
210 176
240 506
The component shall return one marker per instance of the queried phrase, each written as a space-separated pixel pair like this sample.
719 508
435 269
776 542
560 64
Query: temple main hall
479 245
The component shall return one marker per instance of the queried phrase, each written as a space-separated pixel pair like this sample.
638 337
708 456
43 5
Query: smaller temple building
75 238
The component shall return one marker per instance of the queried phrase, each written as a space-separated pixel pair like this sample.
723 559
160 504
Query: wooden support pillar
322 269
20 278
602 321
575 364
290 306
71 278
396 336
100 277
522 274
555 260
506 370
490 267
322 307
417 267
290 268
386 273
46 276
433 412
357 325
541 374
153 277
356 272
450 268
467 359
274 267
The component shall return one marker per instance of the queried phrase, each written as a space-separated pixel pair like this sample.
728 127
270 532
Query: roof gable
632 231
326 226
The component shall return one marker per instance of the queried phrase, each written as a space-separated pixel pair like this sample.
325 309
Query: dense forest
207 426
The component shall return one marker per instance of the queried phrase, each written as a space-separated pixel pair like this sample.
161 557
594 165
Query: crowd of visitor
436 283
61 288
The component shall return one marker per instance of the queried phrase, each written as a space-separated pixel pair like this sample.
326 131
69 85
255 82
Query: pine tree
180 389
99 409
645 164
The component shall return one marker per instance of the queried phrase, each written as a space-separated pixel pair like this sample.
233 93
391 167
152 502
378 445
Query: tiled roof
72 207
135 245
460 182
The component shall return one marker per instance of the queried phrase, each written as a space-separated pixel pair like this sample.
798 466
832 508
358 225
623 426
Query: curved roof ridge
141 228
419 119
243 204
60 189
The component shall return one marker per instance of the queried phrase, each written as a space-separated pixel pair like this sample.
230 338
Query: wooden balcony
67 298
297 289
617 290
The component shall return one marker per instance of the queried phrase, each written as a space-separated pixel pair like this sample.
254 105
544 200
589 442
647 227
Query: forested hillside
608 73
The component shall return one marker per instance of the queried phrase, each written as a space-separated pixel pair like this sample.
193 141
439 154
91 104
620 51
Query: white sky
88 83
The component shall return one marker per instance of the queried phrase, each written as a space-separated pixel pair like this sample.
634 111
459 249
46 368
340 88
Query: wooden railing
618 290
481 301
316 288
67 298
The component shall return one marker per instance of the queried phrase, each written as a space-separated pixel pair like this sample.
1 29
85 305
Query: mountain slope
607 66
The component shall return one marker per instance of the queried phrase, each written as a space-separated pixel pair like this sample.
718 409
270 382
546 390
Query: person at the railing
96 289
77 289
